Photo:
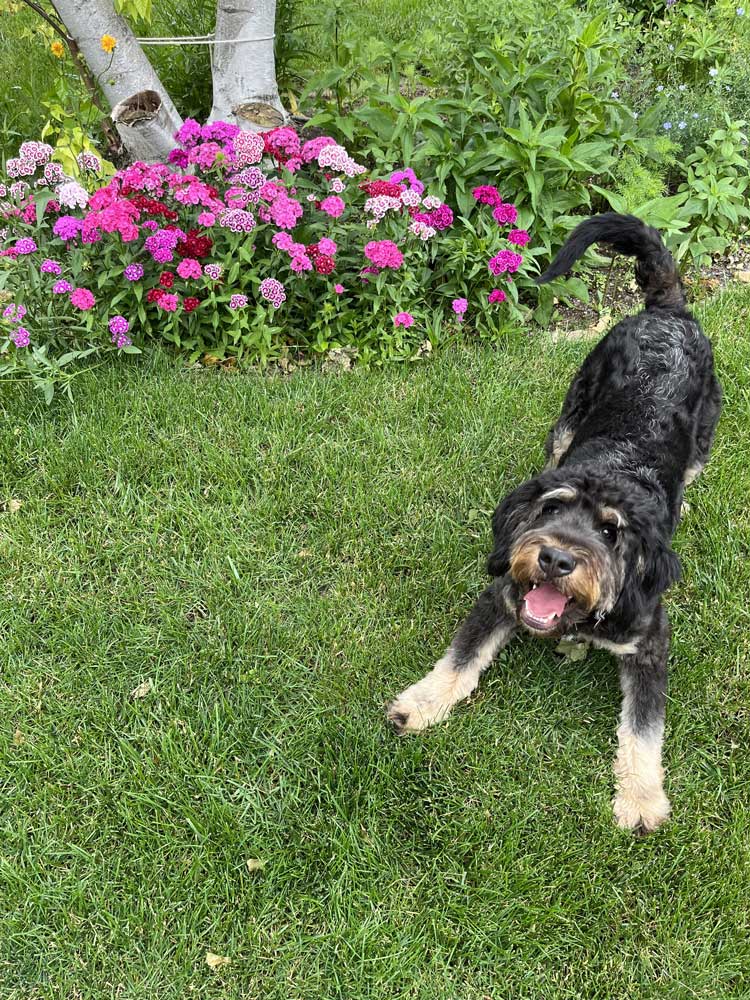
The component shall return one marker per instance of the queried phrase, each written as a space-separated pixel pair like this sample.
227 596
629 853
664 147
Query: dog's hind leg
488 628
640 803
708 418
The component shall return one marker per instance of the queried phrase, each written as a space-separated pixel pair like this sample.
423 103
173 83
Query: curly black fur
637 424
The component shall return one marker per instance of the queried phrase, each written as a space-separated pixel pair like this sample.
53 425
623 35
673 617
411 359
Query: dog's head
580 546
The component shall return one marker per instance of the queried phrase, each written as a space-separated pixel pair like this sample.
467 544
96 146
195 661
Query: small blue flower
667 126
682 125
660 88
696 115
740 11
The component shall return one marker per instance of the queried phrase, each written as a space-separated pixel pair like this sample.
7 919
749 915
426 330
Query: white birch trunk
244 69
143 111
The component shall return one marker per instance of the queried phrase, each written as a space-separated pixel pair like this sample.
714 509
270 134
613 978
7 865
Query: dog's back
646 397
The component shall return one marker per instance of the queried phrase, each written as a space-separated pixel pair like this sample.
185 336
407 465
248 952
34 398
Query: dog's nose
555 562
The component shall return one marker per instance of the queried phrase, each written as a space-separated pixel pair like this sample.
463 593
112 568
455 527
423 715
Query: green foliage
537 110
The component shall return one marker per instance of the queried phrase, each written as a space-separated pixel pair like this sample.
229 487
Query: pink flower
213 271
62 287
248 148
337 158
189 268
327 246
486 194
50 267
506 260
168 301
118 324
519 236
25 245
333 206
403 319
460 306
206 219
338 289
238 301
505 214
302 263
285 212
384 253
273 291
496 295
21 337
312 147
82 298
133 272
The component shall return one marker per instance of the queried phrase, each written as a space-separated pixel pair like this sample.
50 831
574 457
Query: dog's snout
556 562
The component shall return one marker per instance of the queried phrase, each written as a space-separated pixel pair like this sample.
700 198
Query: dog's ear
509 517
652 571
661 568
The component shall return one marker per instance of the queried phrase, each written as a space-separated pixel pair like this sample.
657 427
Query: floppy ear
649 574
510 516
662 569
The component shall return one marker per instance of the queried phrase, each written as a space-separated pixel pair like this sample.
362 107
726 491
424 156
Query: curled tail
655 271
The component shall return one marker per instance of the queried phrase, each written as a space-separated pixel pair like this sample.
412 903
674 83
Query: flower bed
244 244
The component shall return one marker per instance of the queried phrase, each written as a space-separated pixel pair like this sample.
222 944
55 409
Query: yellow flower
108 43
57 49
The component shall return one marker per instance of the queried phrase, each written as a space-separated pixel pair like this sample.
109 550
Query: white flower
72 195
659 88
713 71
682 125
683 86
615 94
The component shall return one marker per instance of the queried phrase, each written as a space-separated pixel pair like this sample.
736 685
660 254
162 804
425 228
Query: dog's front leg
640 803
484 633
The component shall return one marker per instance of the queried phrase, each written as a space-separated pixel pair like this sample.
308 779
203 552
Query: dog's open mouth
543 607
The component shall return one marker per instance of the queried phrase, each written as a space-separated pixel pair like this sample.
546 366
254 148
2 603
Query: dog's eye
551 508
610 532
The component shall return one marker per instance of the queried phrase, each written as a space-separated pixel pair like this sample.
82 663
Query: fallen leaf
216 961
18 738
572 649
13 506
143 689
743 276
255 864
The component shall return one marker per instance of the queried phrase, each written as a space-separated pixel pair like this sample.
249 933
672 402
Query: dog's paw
642 814
415 709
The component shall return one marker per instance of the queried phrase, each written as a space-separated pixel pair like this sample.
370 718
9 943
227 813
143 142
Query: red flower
166 279
323 263
374 188
154 294
190 302
194 245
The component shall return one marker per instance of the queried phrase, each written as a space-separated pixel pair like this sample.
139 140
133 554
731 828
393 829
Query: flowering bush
244 244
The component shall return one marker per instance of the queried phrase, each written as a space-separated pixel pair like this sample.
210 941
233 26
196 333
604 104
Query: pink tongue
545 600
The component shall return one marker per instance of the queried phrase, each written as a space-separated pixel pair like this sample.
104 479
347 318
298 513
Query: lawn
279 556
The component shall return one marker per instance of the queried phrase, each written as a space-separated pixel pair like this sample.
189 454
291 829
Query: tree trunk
244 69
142 109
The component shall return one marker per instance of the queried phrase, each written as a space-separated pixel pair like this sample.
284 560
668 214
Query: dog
583 550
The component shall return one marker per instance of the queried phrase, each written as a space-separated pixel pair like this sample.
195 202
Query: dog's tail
655 270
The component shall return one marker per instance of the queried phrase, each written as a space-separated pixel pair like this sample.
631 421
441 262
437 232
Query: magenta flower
403 319
14 313
338 289
82 299
189 268
62 287
496 295
506 260
67 227
25 245
206 219
301 263
21 337
519 236
118 324
505 214
273 291
168 301
333 206
460 306
121 340
50 267
238 301
133 272
486 194
384 253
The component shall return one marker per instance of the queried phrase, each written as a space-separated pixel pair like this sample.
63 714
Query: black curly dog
583 549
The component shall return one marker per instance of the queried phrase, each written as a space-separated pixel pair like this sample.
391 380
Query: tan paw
643 814
416 708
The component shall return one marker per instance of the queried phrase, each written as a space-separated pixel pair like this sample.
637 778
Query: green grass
280 556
